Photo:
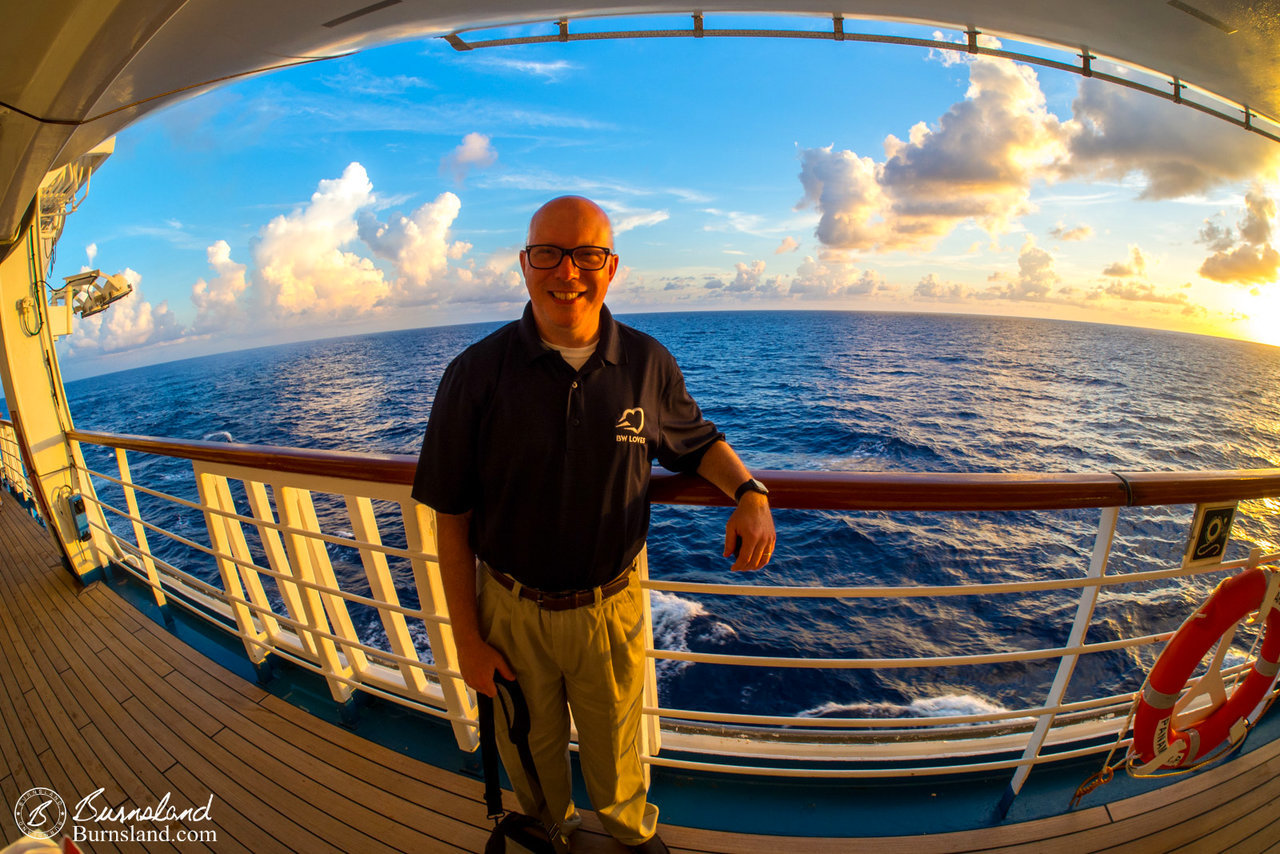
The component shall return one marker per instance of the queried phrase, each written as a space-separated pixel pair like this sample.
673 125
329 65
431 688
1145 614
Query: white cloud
1136 266
302 267
846 190
418 246
599 190
1144 292
551 72
829 277
933 288
217 301
1244 265
474 152
1035 280
1079 232
748 223
1246 256
1116 132
637 219
748 277
354 79
947 57
496 282
748 282
91 251
978 164
788 244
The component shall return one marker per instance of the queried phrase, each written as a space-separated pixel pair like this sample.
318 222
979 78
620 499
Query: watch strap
749 485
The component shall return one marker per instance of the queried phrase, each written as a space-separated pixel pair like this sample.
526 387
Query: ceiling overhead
77 71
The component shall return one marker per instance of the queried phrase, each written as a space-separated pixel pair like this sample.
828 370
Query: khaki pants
589 660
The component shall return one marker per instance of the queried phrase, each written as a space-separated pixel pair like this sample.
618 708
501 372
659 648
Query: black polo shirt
554 463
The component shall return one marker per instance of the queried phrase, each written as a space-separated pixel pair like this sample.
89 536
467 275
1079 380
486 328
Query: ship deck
96 694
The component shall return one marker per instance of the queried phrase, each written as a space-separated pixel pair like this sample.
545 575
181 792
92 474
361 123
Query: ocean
821 391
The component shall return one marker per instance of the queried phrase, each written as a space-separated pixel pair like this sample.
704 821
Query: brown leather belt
567 600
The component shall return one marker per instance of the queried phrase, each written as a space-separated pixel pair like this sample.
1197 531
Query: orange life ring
1153 732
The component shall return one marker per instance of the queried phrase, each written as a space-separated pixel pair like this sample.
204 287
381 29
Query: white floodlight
84 294
97 295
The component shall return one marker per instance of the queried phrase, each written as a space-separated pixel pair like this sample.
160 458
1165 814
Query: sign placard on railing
1210 532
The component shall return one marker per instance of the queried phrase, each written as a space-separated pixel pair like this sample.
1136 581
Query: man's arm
752 521
477 660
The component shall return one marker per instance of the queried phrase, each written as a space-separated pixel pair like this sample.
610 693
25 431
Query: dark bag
520 833
513 833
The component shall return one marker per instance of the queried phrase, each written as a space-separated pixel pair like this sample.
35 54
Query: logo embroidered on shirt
632 421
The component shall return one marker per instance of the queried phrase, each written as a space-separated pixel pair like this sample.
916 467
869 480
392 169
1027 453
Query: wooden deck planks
1249 835
93 694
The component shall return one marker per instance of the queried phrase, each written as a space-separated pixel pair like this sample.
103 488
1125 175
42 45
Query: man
536 460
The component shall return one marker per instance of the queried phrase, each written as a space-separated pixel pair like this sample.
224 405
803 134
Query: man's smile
566 296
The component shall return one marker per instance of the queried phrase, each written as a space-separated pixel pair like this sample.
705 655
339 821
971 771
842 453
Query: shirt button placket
573 454
574 413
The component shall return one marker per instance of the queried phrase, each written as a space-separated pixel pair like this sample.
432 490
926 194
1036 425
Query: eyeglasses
544 256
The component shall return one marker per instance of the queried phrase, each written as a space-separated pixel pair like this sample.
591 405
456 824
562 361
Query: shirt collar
609 348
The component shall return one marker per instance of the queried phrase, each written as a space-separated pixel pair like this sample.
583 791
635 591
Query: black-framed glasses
544 256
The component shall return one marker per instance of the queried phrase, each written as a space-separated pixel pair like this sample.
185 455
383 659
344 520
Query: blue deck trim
796 806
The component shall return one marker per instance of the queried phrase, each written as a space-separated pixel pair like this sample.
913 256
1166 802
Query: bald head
572 213
567 299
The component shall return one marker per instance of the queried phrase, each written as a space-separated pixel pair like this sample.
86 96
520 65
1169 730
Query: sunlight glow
1264 316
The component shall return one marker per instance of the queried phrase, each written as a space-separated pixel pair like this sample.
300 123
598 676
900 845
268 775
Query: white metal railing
277 589
293 605
13 474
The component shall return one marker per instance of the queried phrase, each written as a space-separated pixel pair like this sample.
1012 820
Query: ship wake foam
947 705
676 621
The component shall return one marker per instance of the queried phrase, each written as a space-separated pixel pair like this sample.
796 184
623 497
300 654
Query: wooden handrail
943 491
385 468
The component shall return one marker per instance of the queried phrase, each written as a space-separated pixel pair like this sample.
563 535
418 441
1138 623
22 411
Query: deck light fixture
85 294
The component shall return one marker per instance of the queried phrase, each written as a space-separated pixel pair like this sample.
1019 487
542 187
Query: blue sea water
823 391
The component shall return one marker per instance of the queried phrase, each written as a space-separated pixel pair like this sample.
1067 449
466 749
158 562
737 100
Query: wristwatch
749 485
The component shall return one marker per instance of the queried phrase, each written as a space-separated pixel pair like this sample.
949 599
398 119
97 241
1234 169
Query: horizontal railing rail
896 491
278 590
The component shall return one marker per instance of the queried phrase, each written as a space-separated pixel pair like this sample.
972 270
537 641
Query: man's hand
750 531
477 661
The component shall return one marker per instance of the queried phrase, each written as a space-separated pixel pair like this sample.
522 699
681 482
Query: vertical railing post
214 498
420 533
651 725
303 555
1066 667
364 525
334 605
278 560
140 534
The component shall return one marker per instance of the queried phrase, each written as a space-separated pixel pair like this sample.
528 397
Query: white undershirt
575 356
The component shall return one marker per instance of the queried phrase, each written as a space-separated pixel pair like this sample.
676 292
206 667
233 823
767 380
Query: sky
392 189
